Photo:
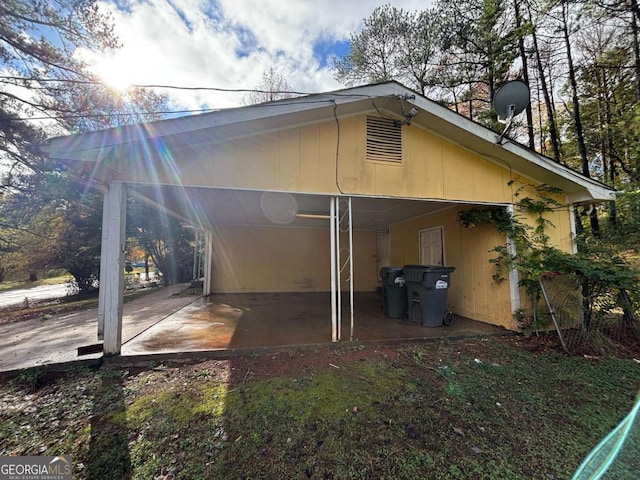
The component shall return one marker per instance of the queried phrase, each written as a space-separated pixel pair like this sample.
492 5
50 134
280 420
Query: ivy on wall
608 283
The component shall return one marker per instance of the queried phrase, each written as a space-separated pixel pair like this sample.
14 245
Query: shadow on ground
108 456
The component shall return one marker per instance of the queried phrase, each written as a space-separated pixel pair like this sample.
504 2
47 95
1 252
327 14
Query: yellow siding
274 259
246 172
433 168
473 293
304 159
309 159
559 230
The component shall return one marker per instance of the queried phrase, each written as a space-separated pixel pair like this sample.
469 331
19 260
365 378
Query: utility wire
106 115
162 112
176 87
202 110
168 87
171 87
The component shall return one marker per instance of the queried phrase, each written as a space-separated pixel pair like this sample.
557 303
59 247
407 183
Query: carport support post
208 257
514 288
196 255
103 271
112 267
334 309
351 270
338 272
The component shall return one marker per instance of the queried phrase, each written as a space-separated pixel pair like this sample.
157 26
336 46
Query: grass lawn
498 408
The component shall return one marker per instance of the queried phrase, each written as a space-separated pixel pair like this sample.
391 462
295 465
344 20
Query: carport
249 321
302 195
350 230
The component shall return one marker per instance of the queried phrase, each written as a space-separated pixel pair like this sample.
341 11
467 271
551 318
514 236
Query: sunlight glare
117 72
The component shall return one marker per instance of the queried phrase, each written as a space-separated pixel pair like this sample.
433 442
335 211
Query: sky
230 43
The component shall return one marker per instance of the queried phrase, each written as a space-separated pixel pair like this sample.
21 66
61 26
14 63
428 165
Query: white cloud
229 43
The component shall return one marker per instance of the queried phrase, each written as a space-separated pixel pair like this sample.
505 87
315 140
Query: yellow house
318 192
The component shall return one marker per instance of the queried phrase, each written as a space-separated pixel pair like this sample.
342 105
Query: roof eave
96 146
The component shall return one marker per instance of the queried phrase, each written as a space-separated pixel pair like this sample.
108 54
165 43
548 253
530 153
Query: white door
383 258
431 246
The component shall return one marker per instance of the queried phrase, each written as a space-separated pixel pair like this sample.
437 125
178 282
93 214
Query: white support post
103 271
208 259
338 270
112 266
334 313
201 247
574 233
514 289
351 268
196 245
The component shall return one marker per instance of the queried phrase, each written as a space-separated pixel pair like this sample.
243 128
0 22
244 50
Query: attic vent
384 140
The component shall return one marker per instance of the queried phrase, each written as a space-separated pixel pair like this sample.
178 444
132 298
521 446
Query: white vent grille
384 140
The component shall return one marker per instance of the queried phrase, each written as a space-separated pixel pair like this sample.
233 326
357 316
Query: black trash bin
427 287
394 292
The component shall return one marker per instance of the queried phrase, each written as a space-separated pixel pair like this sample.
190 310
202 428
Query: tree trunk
577 121
636 45
525 74
609 147
626 304
553 130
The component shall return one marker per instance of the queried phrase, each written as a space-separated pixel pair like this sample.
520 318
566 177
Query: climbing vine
530 242
605 279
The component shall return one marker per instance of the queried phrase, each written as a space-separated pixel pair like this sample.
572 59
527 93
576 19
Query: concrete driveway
16 297
39 342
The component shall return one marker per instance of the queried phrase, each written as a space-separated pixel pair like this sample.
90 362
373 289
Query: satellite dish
511 99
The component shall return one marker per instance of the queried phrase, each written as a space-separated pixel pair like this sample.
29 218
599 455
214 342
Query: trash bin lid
430 268
389 274
387 270
416 273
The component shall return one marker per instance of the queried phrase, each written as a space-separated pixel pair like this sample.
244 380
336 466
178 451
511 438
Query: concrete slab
239 321
56 340
163 322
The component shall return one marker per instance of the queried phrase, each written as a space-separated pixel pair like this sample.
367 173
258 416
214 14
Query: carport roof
215 206
213 127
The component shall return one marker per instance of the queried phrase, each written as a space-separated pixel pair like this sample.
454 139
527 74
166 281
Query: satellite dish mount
509 101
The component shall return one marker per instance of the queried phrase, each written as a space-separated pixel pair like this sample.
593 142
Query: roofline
188 123
57 147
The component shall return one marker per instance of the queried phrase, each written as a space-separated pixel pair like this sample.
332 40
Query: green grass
481 409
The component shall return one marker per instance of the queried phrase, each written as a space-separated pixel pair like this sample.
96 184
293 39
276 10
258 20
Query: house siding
473 293
303 159
280 259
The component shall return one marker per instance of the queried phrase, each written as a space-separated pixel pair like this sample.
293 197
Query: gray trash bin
394 292
427 287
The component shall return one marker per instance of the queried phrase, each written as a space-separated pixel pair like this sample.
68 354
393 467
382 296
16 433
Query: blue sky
230 43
